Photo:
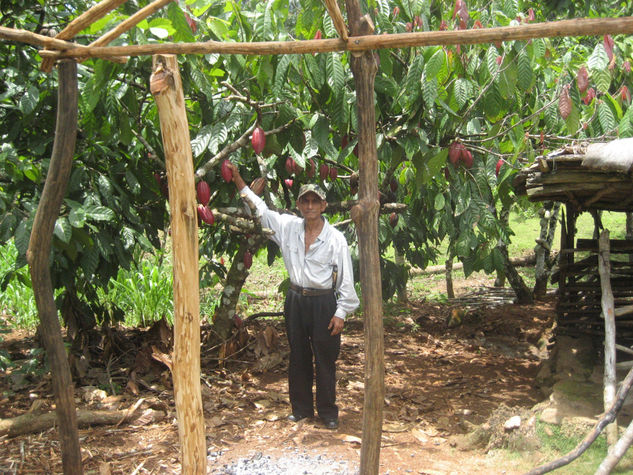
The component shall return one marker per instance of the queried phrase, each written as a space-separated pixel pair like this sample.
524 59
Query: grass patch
557 441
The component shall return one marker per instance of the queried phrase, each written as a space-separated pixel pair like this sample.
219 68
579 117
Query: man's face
311 206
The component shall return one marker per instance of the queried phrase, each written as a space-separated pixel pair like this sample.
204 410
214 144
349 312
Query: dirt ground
443 377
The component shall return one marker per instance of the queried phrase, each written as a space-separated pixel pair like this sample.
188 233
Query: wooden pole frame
166 86
38 255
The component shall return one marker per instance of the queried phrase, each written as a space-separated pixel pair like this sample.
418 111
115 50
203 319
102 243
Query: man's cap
311 188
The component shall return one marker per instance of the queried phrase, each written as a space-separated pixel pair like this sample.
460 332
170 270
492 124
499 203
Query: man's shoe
293 418
331 423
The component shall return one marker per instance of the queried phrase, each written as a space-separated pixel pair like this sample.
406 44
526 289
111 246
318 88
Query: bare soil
443 378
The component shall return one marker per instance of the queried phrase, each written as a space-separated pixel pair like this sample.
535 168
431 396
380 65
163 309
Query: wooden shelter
357 37
587 178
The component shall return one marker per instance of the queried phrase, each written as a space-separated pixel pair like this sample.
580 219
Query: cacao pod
393 184
625 94
205 214
290 165
582 79
225 171
467 158
591 94
393 219
333 173
564 103
203 192
318 35
258 140
311 169
344 141
498 167
454 152
608 46
324 171
288 182
248 259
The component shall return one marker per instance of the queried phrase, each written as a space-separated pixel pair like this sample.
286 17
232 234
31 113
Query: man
321 295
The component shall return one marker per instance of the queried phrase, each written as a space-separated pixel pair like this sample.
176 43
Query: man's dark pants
307 319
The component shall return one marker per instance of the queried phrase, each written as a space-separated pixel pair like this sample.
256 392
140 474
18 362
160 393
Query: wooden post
166 86
365 216
608 313
38 255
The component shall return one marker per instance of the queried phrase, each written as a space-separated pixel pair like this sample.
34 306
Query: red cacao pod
248 259
333 173
318 35
393 184
324 171
288 182
564 103
582 79
498 167
290 165
591 94
311 169
344 141
203 192
393 219
225 171
467 158
258 140
454 152
206 214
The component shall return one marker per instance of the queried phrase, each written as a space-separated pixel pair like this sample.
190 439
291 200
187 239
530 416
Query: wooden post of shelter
608 314
166 86
38 255
365 216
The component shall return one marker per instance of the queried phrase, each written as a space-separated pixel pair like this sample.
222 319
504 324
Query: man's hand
336 325
258 185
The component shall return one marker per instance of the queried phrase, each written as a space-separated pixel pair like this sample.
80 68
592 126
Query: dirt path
440 382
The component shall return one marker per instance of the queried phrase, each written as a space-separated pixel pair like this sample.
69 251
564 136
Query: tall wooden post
166 86
38 255
608 314
365 216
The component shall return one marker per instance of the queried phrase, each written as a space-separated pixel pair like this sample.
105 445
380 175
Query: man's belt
308 292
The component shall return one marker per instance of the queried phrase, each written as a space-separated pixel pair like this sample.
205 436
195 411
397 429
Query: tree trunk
450 292
166 86
500 280
608 314
542 251
365 216
524 294
38 255
235 278
402 283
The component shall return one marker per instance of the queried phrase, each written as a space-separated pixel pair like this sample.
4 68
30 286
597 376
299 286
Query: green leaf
77 217
606 118
491 60
281 72
413 81
63 230
336 74
598 61
429 91
127 235
525 74
133 183
21 238
435 64
602 79
201 141
89 261
463 91
439 202
99 213
29 100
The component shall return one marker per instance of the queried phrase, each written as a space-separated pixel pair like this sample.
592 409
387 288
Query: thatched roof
588 176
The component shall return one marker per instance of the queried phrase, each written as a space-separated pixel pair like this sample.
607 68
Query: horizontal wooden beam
577 27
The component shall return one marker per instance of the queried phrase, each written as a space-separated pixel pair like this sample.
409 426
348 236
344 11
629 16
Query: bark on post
365 216
542 251
166 86
608 313
448 266
38 256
